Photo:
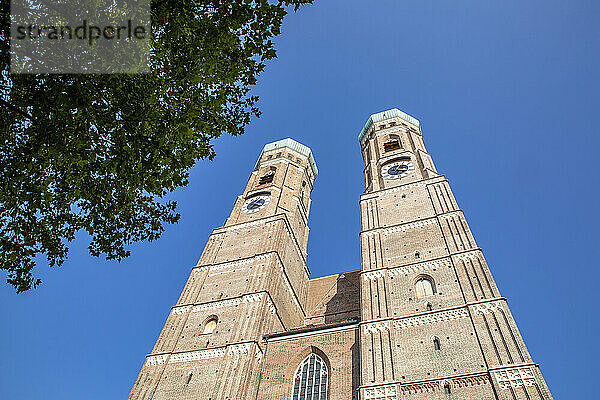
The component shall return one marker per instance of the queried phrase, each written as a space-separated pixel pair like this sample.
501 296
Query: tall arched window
424 287
209 325
310 379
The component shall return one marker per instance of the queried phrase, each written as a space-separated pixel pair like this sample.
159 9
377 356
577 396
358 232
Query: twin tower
421 319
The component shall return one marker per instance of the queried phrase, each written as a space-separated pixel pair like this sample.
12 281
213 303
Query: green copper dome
299 147
394 112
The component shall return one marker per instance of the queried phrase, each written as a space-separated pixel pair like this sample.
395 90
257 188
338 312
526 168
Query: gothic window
210 325
267 177
424 287
436 343
310 379
189 378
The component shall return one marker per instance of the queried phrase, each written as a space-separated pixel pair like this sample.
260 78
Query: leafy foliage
99 153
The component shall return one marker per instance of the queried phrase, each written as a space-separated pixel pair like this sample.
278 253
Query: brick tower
434 325
421 319
251 279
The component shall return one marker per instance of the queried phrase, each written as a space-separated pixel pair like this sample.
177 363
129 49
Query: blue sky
507 93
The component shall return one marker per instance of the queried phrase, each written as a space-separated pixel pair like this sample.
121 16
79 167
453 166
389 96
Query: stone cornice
406 226
264 221
426 182
428 385
415 265
236 349
435 316
247 260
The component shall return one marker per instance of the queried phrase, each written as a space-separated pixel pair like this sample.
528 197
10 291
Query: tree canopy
99 153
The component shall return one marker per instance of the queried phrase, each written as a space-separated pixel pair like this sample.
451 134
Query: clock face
397 170
255 204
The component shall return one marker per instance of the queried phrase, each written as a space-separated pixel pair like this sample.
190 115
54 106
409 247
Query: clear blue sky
507 92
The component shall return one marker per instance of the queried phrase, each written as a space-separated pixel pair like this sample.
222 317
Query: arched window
436 343
424 287
310 379
209 325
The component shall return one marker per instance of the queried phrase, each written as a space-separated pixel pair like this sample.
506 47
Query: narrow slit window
436 344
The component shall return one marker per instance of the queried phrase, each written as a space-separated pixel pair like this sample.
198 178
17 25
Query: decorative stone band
431 386
381 393
247 298
241 349
450 215
261 222
373 275
421 267
402 227
442 316
250 260
488 307
380 326
156 360
197 355
401 188
422 387
470 381
470 255
233 264
515 377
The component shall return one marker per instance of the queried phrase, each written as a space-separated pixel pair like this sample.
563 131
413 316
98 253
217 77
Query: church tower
251 280
421 319
434 325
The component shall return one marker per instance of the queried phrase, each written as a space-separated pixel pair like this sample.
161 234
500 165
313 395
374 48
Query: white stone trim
247 298
238 349
197 355
180 310
451 214
381 393
373 275
379 326
516 377
489 307
442 316
228 264
470 255
206 354
420 267
156 360
312 333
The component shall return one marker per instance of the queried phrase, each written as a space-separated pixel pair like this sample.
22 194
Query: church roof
394 112
299 147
